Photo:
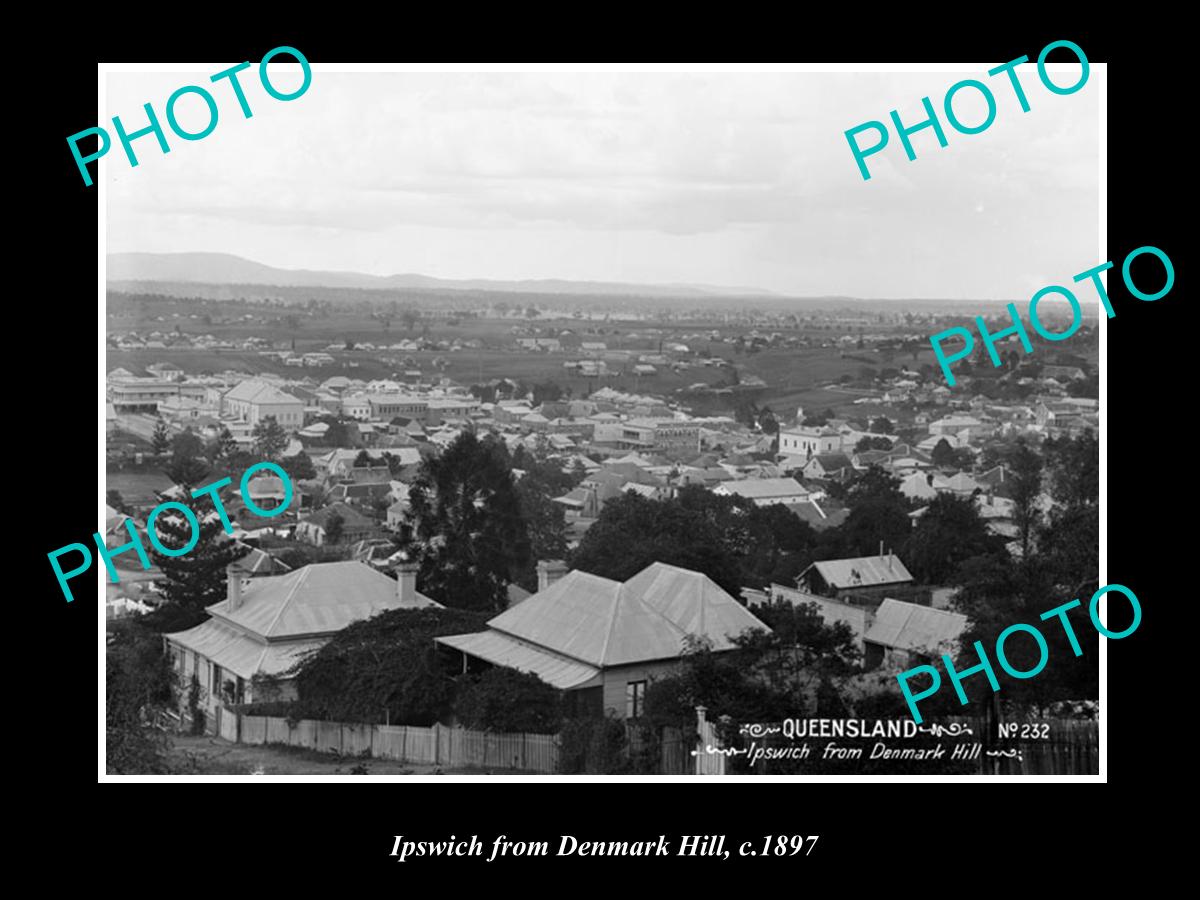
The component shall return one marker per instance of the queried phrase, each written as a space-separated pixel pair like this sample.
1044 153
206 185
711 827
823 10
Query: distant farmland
465 366
800 376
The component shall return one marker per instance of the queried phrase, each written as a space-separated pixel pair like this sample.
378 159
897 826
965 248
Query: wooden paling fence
437 745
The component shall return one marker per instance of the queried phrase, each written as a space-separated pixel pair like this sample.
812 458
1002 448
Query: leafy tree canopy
506 700
469 529
385 668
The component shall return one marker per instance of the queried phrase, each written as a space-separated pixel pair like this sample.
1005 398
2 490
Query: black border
1146 418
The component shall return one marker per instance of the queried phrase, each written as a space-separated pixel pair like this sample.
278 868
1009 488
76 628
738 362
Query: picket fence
438 745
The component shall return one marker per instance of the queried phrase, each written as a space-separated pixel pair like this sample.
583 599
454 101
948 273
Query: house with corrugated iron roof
907 633
864 577
255 399
764 491
602 641
265 625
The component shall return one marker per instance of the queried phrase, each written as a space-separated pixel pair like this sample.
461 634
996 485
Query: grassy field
214 756
466 367
794 377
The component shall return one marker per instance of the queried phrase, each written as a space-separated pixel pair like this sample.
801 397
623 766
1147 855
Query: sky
718 178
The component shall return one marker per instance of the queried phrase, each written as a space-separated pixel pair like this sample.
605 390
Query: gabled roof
576 497
644 490
602 622
817 516
908 626
832 462
957 422
760 488
369 475
256 391
992 477
862 571
266 486
960 482
259 562
350 516
627 470
867 457
317 599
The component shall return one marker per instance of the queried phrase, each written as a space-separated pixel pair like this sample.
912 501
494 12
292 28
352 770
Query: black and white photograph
616 422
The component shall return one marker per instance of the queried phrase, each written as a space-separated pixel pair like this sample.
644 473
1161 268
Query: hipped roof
317 599
606 623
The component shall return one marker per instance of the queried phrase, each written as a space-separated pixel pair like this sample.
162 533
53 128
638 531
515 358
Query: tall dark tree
1026 480
780 545
540 470
546 391
878 514
943 454
633 532
867 442
187 443
950 532
547 526
334 529
874 523
196 579
471 536
1073 470
1070 540
767 421
995 595
224 446
299 467
269 438
160 440
731 540
882 425
1060 564
187 471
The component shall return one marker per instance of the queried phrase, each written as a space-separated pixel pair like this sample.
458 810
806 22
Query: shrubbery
503 699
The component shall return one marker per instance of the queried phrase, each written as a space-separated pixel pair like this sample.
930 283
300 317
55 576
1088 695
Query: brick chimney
406 583
549 571
233 586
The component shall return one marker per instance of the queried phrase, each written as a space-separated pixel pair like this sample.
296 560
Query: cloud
745 172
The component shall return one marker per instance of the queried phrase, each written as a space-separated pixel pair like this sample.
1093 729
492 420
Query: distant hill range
227 269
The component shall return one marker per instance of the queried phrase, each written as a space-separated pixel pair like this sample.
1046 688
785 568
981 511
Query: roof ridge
612 619
907 608
641 597
287 601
